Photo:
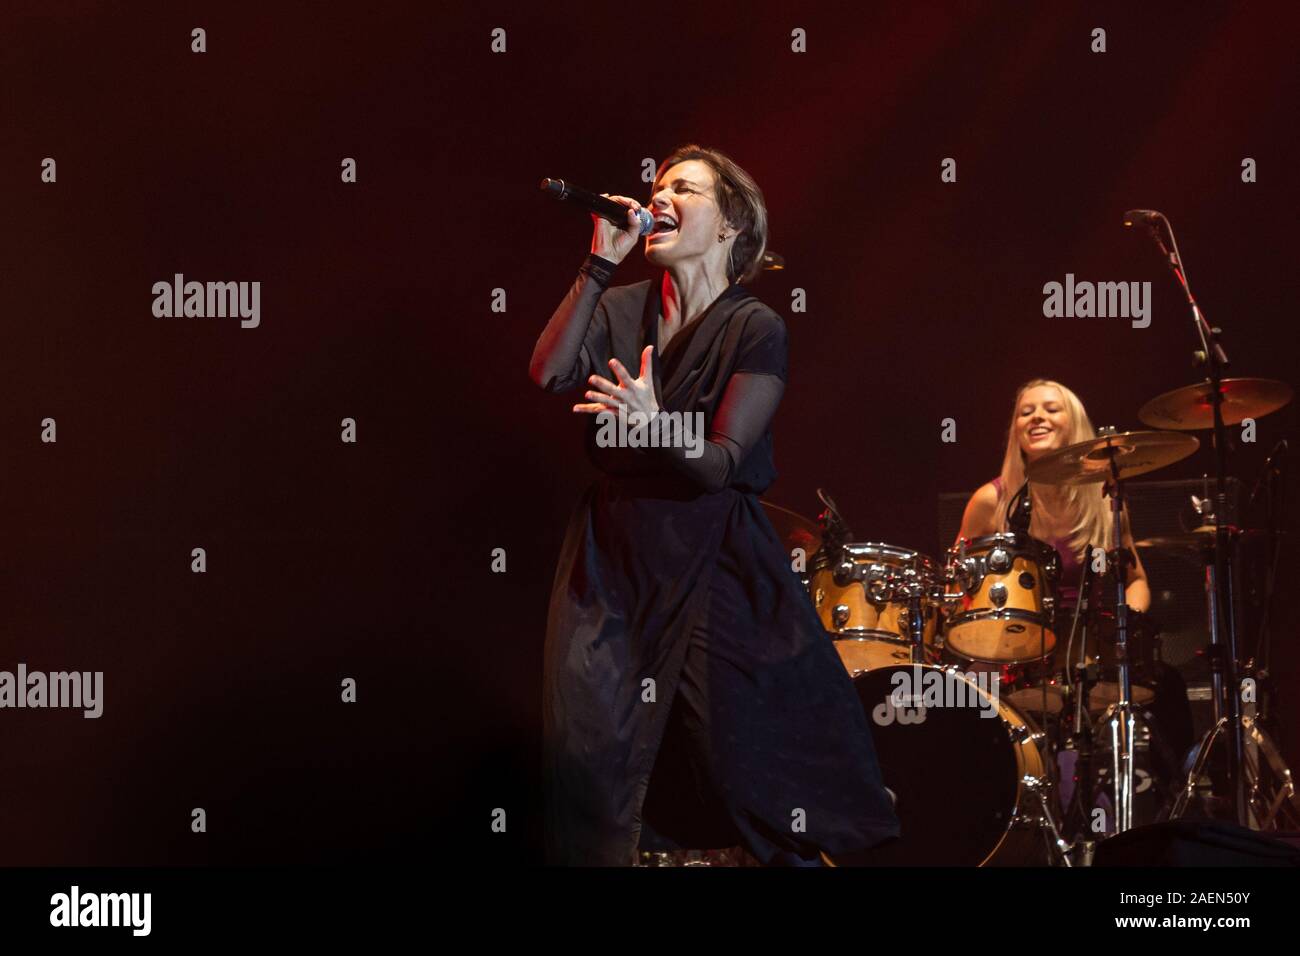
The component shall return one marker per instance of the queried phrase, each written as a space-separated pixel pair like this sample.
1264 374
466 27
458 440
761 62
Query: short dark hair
741 203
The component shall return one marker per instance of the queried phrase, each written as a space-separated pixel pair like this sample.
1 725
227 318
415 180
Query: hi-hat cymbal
1135 453
794 529
1199 539
1190 408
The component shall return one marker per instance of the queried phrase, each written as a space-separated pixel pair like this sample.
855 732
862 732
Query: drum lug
844 573
1023 734
1034 784
840 615
1036 787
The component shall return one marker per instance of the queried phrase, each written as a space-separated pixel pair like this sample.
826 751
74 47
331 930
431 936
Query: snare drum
861 593
1009 583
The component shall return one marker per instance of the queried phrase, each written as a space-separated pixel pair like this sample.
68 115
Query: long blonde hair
1092 522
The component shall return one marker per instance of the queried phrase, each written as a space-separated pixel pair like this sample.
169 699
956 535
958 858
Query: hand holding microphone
620 221
610 241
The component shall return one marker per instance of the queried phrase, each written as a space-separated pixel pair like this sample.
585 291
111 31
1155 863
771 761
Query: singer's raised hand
632 394
609 241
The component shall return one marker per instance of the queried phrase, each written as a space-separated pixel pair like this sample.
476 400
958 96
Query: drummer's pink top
1071 568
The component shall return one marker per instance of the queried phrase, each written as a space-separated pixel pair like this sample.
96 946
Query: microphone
1020 511
1152 219
835 528
1272 467
602 206
1147 217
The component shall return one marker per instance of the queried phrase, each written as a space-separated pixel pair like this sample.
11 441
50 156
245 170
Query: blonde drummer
1048 416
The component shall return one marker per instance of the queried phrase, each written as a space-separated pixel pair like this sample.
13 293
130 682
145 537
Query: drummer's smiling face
1042 421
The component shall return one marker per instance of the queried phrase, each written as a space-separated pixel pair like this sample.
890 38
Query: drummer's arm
980 517
1137 589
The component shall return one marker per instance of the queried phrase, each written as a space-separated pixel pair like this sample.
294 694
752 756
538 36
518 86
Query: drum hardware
840 616
1087 676
1080 742
1153 765
1082 851
1057 847
1111 458
918 590
1272 797
1214 404
1022 734
1272 801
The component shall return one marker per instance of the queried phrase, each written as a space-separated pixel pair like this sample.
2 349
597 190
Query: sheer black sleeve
569 348
744 414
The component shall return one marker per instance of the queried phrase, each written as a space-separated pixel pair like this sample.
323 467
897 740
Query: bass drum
971 775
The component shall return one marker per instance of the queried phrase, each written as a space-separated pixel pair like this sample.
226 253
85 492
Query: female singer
679 640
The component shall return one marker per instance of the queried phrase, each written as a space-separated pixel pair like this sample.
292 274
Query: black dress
672 578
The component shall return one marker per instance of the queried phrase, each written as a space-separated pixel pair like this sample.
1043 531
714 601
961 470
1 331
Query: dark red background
372 560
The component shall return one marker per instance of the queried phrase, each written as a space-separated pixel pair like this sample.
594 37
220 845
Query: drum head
1000 637
954 771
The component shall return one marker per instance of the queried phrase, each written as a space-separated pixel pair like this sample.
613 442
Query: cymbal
1190 409
1135 453
1198 539
794 529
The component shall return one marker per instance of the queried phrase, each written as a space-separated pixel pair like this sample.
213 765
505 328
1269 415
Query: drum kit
1053 746
1034 732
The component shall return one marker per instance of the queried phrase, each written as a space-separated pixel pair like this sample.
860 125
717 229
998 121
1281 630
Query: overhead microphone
1145 216
602 206
1152 219
1274 465
1020 510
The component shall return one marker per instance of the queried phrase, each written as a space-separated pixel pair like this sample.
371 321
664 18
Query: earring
721 237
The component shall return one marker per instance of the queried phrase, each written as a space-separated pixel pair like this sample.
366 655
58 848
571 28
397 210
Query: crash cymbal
1190 409
794 529
1135 453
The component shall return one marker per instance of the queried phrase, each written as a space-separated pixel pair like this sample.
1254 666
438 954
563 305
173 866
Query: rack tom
1008 581
862 593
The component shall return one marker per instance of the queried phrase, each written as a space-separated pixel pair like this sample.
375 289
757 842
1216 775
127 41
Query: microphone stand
1122 728
1223 624
1079 683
